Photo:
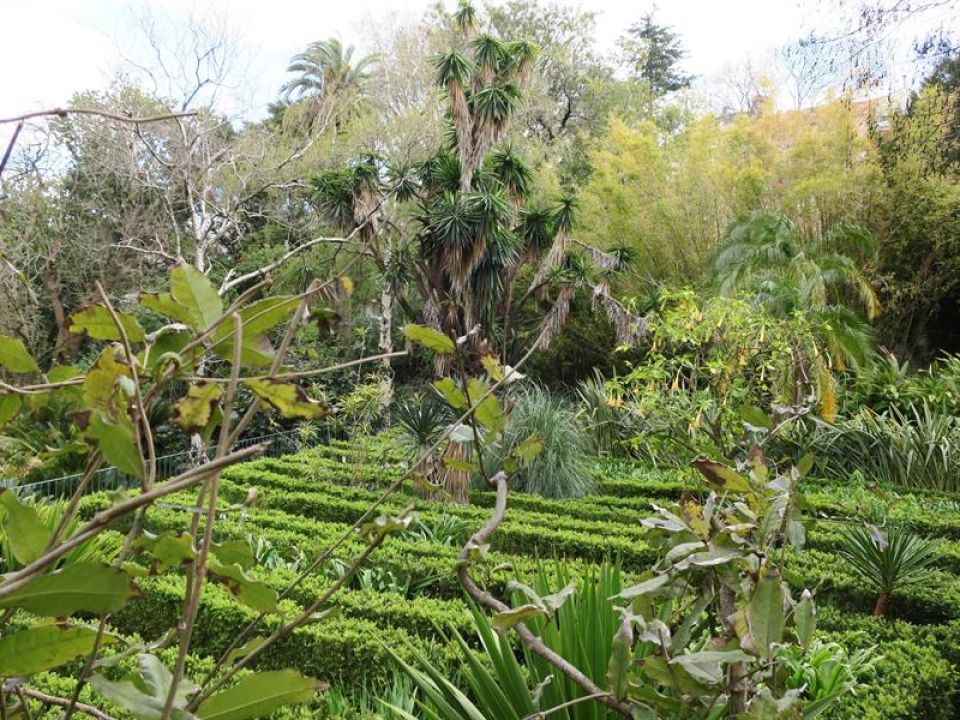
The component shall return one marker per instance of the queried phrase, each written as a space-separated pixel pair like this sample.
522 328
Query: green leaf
9 408
259 694
646 587
260 316
756 417
492 367
164 304
14 356
167 345
764 616
805 618
527 450
384 525
116 442
555 601
429 338
289 399
44 647
96 322
505 620
98 385
234 552
255 350
708 666
252 593
709 558
245 649
169 549
487 412
451 393
460 464
25 532
618 667
193 411
145 696
805 464
83 586
191 289
722 476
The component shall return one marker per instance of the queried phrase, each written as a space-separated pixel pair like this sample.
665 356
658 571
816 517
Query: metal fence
111 478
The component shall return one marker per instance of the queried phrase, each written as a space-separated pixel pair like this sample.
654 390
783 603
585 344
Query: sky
52 48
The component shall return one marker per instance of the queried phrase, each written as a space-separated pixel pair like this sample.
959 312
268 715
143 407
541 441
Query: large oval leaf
87 586
25 533
14 356
45 647
97 322
258 695
191 289
429 338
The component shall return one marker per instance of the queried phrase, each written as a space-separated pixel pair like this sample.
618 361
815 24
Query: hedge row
349 651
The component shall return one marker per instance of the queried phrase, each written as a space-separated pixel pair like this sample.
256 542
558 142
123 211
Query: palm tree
819 279
328 78
889 560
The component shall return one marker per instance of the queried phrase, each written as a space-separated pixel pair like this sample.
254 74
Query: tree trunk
880 609
385 344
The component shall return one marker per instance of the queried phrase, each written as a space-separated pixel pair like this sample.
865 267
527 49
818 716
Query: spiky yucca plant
888 560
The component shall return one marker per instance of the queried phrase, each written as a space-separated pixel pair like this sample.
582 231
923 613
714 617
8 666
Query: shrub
916 448
562 470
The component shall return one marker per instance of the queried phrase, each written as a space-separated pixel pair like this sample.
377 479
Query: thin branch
63 112
101 520
64 703
532 641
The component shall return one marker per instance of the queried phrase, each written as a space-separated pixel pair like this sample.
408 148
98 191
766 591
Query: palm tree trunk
880 609
385 344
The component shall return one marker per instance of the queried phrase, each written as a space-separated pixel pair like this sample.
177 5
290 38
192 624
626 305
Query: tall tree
328 80
653 53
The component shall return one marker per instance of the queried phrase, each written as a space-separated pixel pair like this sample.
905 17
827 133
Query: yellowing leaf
429 338
722 476
97 322
289 399
192 412
487 412
14 356
505 620
492 367
451 393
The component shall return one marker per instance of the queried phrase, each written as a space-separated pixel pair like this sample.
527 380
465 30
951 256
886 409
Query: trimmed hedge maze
408 597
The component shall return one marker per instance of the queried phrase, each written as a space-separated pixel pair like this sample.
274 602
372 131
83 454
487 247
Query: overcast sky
52 48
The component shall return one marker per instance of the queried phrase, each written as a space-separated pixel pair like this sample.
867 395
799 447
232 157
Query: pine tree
653 53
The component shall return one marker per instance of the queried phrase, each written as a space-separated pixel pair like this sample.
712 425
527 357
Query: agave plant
888 560
501 686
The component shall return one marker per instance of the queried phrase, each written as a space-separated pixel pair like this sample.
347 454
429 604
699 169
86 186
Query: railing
110 478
